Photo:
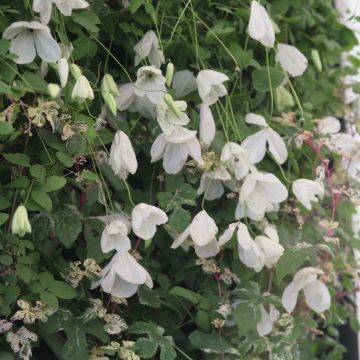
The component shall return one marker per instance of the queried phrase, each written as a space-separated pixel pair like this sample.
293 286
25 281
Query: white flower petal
46 47
255 145
291 59
207 125
23 46
202 229
255 119
184 83
289 297
277 146
317 296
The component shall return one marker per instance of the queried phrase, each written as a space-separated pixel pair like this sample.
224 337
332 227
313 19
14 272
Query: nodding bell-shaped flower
20 223
122 156
114 237
306 191
82 90
207 127
291 59
260 26
265 325
256 144
202 231
145 218
210 86
148 47
122 276
63 70
317 295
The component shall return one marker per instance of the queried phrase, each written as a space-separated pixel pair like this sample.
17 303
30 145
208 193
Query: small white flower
114 237
148 47
265 325
175 148
306 191
82 89
122 276
236 159
260 193
67 6
122 156
291 59
63 70
260 26
317 295
210 86
29 39
145 218
256 144
184 83
211 183
207 127
150 83
202 231
167 119
20 223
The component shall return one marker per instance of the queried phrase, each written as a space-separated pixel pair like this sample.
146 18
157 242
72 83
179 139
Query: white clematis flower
329 125
29 39
175 148
236 159
306 191
122 156
150 83
210 86
265 325
145 218
317 295
114 237
82 89
260 193
202 231
256 144
167 118
211 183
207 127
20 223
148 47
291 59
184 83
260 26
122 276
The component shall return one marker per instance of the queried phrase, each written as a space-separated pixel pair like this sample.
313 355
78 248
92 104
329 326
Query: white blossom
43 7
256 144
20 223
329 125
145 218
30 38
210 86
306 191
184 83
82 89
67 6
291 59
167 118
114 237
148 47
317 295
265 325
207 127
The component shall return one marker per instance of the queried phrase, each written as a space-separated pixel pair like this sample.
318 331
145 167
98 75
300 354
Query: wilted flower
82 89
20 223
306 191
207 127
122 156
145 218
210 86
31 38
148 47
114 237
291 59
265 325
317 295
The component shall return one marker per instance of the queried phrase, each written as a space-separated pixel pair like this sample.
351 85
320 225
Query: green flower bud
110 101
75 71
316 59
171 104
169 73
54 90
20 222
283 98
108 84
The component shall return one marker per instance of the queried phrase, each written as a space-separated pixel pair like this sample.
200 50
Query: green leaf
185 194
62 290
49 299
35 82
4 203
260 78
38 171
135 5
3 218
178 221
75 347
18 159
87 20
4 46
6 128
24 272
247 316
45 278
53 183
6 260
42 199
22 182
65 159
5 88
192 296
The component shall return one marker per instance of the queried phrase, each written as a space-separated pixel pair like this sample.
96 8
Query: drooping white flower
184 83
207 127
82 89
260 193
114 237
210 86
31 38
150 83
317 295
175 148
291 59
202 231
256 144
63 70
236 159
20 223
67 6
260 26
148 47
265 325
43 7
122 276
306 191
167 118
122 156
329 125
145 218
211 183
108 219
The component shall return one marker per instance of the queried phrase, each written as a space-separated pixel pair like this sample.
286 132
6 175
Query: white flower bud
169 73
63 70
75 71
110 101
171 104
108 84
54 90
82 89
20 223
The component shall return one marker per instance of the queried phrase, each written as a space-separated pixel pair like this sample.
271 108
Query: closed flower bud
316 59
54 90
82 89
283 98
75 71
63 70
171 104
110 101
108 84
169 73
20 223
